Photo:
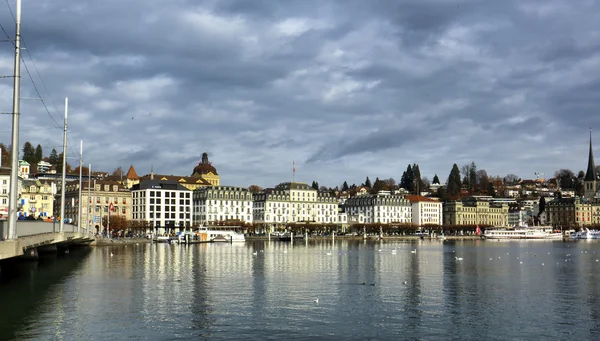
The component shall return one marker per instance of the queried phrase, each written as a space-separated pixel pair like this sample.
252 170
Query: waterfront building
475 211
4 191
590 181
294 202
94 207
518 215
163 204
571 212
36 198
382 207
222 203
425 210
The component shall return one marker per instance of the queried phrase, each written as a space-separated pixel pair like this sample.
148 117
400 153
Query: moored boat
215 235
585 234
523 232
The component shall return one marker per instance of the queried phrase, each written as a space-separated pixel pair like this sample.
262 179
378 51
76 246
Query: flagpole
108 221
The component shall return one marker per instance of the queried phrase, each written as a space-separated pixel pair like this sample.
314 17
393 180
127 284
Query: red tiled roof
131 174
418 198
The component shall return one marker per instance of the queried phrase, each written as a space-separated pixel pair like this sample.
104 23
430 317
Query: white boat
523 232
215 235
585 234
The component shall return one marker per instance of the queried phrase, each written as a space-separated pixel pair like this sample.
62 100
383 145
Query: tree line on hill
464 181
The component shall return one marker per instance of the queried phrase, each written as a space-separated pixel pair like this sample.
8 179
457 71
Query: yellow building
102 193
572 212
475 212
36 198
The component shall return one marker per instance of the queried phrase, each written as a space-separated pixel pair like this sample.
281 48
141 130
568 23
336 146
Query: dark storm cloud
344 89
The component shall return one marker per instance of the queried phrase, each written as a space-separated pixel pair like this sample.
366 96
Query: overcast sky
344 88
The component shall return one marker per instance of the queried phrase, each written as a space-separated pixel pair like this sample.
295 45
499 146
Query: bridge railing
30 228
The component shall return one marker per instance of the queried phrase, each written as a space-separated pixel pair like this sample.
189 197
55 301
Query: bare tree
511 179
254 189
118 172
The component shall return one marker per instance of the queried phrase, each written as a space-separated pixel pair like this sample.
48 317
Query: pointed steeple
590 175
132 174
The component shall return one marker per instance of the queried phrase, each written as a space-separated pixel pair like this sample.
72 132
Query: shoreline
128 241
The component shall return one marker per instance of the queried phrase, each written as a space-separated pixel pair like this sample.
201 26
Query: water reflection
266 290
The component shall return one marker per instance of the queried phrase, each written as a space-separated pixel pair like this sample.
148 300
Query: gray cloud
344 89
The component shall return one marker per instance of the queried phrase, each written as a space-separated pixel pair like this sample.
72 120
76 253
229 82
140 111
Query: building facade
36 198
475 211
382 207
294 202
568 213
222 203
425 211
164 204
97 196
4 192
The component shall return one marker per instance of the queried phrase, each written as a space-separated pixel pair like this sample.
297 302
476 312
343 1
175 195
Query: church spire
590 175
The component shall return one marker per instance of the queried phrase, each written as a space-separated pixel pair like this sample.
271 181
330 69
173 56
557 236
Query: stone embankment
119 241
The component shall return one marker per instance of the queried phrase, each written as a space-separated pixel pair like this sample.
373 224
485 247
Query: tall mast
64 169
89 199
80 205
14 172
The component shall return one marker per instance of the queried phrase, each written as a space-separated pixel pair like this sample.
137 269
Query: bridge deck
33 234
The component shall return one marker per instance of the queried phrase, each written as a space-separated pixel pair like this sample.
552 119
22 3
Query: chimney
152 172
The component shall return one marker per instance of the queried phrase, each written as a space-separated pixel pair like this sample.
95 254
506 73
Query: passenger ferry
585 234
523 232
211 235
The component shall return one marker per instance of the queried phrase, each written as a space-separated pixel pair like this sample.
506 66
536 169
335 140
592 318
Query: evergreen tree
472 176
491 191
454 183
28 152
345 187
436 180
408 179
403 180
418 181
315 185
39 153
378 186
542 206
54 159
368 182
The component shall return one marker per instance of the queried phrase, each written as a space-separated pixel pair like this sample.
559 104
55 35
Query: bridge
34 236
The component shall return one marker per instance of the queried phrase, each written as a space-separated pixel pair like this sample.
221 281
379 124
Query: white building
379 208
44 167
295 202
425 211
24 169
4 192
221 203
164 204
518 215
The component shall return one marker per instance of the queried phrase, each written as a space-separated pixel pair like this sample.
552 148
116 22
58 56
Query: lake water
498 291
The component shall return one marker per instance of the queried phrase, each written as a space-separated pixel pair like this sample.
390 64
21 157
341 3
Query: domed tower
206 171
